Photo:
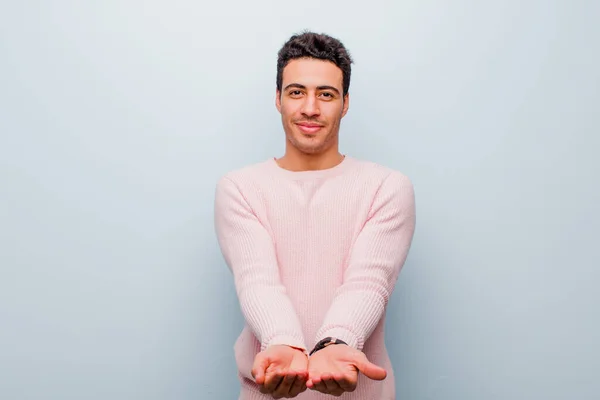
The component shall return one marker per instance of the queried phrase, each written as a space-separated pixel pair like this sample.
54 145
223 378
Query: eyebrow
322 87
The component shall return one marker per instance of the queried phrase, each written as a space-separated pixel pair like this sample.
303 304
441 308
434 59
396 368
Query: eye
327 95
295 93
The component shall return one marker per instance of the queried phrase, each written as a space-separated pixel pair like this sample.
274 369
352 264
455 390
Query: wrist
328 341
300 349
349 336
284 340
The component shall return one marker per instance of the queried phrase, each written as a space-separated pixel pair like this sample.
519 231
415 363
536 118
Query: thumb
261 363
370 370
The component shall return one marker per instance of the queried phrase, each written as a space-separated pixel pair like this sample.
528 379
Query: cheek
290 112
333 113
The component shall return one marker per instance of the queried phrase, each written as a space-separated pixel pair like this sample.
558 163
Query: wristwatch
328 341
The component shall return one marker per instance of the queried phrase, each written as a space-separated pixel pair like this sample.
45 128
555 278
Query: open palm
334 369
281 371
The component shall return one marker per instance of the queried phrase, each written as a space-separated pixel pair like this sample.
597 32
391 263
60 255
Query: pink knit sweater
315 254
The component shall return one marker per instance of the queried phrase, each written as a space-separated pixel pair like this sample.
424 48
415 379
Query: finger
331 385
312 380
299 385
261 364
316 383
320 387
272 381
347 383
283 389
370 370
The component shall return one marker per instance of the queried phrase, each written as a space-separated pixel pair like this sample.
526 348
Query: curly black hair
315 45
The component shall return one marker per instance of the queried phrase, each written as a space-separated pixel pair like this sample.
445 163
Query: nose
310 107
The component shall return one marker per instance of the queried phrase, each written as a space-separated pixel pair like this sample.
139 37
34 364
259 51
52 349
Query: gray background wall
118 117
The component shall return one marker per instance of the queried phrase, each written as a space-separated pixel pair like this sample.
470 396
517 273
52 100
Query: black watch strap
328 341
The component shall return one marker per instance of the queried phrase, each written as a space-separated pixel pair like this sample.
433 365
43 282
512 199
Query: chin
310 150
308 145
313 149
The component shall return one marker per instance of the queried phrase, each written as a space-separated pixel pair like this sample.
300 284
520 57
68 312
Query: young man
315 241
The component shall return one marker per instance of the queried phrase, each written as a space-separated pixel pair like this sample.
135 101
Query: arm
249 253
376 259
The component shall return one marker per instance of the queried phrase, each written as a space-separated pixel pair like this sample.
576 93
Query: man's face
311 104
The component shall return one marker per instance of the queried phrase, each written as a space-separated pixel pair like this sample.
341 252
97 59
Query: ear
278 100
346 104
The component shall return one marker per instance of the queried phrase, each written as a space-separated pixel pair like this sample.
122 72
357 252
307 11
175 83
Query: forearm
270 314
375 262
250 255
353 315
361 301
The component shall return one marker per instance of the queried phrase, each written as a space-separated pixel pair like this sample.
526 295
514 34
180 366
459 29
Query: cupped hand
334 369
281 371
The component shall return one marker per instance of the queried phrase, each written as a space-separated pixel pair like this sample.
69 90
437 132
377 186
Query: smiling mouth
309 128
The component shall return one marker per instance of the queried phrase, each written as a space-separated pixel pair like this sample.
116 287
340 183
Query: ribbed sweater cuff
285 340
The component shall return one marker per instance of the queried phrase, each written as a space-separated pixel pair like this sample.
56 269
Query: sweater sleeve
374 264
250 254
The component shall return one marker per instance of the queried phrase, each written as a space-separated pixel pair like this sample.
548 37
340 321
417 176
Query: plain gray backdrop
118 117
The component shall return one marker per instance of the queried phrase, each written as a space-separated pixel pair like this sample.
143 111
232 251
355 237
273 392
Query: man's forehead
311 72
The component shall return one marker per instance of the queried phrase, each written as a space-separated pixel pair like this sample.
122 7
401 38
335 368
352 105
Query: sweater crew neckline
338 169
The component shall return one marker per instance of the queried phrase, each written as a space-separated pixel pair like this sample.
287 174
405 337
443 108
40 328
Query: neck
294 160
